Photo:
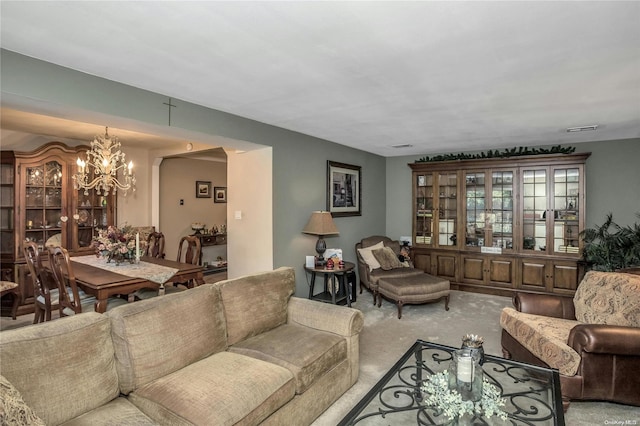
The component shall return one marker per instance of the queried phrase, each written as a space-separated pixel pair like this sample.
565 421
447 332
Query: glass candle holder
465 374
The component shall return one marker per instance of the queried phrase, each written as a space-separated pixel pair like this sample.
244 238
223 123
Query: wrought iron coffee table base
532 393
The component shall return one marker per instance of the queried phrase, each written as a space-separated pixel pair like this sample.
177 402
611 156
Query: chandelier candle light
106 159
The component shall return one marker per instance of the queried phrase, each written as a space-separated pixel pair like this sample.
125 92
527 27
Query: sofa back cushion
608 298
158 336
256 303
62 368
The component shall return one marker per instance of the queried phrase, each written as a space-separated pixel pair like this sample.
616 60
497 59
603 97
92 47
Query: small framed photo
220 194
344 189
203 189
422 180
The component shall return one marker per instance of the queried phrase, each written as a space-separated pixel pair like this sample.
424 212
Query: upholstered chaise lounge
385 276
593 339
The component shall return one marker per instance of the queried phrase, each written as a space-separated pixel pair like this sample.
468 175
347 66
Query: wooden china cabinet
47 209
499 225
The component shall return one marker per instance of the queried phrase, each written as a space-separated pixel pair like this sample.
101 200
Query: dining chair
191 247
46 299
9 287
192 251
155 245
71 302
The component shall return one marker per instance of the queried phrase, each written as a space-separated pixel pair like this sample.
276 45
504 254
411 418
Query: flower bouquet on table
118 244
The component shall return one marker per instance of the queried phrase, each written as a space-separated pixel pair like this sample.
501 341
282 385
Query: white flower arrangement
451 403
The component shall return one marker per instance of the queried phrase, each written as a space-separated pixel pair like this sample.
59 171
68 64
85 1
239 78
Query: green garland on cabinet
513 152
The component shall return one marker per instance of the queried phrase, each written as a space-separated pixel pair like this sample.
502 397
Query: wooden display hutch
499 225
40 203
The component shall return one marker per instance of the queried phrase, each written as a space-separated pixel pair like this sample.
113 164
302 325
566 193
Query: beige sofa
241 351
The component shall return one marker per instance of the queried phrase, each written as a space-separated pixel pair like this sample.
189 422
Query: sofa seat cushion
545 337
223 389
117 412
309 354
393 273
608 298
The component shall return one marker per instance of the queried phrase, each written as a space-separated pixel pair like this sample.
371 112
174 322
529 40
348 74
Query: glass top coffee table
532 393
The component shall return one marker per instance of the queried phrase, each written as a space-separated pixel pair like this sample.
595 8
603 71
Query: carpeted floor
385 338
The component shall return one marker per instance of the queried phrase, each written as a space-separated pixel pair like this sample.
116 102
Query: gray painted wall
612 178
299 161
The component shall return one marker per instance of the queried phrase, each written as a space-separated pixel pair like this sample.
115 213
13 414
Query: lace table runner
148 271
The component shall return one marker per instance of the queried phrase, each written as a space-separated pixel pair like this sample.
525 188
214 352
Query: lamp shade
320 223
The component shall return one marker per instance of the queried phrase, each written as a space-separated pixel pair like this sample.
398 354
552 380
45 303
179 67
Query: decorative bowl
197 226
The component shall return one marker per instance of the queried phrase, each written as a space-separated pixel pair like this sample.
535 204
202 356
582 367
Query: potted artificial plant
610 247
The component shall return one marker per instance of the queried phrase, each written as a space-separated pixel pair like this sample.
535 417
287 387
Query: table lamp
320 224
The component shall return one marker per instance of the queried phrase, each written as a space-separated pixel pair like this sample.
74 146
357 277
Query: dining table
102 280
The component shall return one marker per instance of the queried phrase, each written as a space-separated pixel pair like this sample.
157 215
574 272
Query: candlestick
137 247
465 369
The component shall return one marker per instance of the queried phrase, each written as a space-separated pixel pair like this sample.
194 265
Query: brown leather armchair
609 367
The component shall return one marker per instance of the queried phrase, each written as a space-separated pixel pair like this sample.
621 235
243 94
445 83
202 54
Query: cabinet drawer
208 240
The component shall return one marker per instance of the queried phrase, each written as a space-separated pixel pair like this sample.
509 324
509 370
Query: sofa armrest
605 339
326 317
545 304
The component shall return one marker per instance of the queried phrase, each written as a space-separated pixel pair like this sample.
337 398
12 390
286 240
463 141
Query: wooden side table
207 240
331 276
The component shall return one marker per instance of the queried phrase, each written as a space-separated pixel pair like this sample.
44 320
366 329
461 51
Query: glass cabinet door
93 213
44 204
501 216
566 203
534 208
476 207
6 209
489 208
424 209
447 209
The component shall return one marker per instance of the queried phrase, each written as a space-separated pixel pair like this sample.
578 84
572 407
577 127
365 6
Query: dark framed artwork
203 189
344 189
220 194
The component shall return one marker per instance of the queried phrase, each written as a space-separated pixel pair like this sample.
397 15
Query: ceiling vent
404 145
582 128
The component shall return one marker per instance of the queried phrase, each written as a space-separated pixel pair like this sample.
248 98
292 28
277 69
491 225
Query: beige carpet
385 339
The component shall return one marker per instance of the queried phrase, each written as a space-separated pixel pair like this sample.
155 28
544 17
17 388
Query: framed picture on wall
203 189
220 194
344 189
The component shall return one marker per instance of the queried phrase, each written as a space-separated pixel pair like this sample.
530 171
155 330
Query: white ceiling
439 76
